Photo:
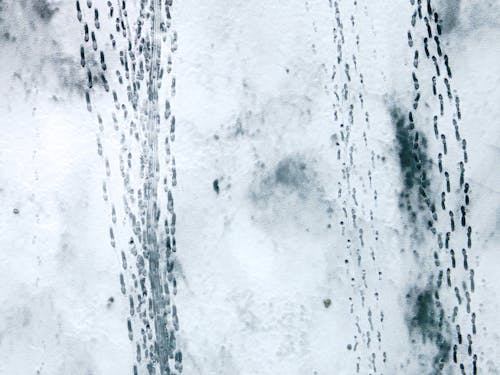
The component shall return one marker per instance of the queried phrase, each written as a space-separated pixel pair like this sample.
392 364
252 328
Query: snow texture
249 187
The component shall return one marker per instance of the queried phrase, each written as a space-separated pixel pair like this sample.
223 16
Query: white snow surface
256 260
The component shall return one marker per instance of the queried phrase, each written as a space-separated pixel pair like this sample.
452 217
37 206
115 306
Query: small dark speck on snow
216 185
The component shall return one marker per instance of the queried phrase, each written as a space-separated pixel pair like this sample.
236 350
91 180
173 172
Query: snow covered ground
309 234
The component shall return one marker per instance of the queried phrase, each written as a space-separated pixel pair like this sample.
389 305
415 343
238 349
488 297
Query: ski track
447 195
131 91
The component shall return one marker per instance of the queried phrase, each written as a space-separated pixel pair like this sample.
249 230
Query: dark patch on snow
414 163
291 175
45 9
427 322
69 74
291 172
412 147
449 14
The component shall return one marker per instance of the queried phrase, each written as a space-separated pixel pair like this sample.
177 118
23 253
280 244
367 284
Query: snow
258 258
